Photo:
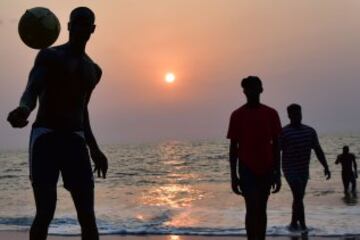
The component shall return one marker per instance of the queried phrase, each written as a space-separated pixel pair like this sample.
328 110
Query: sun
170 77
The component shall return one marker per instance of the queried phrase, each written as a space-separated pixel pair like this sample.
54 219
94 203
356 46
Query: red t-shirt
254 128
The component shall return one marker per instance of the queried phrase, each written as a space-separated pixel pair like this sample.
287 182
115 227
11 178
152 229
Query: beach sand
21 235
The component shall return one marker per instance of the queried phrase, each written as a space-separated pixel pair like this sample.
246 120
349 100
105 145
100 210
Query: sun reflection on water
177 193
174 237
173 196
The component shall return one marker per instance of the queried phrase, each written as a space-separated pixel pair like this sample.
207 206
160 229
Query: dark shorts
250 183
53 153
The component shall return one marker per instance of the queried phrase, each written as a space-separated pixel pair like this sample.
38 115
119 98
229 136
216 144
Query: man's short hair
346 147
294 107
251 81
82 12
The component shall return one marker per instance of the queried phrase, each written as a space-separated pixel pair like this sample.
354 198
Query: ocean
181 187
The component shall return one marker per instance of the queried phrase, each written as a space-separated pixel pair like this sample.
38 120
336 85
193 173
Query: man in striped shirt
296 142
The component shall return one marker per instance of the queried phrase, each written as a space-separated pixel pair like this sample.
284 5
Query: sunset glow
159 64
170 77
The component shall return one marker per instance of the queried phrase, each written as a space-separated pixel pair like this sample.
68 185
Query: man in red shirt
254 156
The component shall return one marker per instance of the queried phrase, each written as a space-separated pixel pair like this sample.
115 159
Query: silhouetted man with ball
62 80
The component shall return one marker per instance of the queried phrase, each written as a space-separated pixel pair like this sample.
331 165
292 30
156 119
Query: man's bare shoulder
98 71
97 68
50 55
90 60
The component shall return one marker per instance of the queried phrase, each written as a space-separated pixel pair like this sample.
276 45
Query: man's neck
77 48
295 124
253 103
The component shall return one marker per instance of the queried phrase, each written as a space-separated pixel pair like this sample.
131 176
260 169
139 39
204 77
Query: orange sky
305 52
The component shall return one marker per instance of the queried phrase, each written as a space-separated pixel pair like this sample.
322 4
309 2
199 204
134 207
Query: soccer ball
39 27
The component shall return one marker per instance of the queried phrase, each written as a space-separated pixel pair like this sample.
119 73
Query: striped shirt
296 144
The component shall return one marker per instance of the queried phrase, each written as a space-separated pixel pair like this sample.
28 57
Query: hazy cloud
11 21
14 20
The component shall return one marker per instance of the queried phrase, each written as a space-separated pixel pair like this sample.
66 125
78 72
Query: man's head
81 24
346 149
252 88
294 113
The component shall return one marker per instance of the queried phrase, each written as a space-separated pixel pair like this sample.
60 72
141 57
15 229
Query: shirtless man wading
62 80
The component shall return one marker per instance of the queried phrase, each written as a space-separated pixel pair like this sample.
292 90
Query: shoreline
23 234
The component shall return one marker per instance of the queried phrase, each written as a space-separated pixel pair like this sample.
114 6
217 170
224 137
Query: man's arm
276 134
234 161
89 136
321 156
277 173
355 166
337 160
18 117
98 157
